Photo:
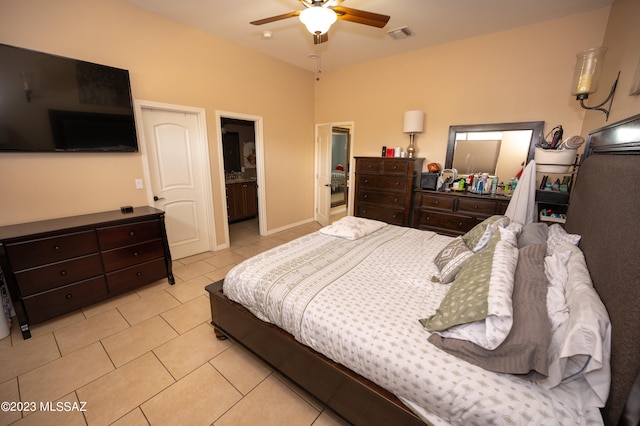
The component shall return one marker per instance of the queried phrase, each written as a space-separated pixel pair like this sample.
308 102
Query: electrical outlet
139 184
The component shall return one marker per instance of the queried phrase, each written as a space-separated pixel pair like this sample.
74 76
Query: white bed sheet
358 302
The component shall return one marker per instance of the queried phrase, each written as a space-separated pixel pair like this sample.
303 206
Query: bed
338 179
383 384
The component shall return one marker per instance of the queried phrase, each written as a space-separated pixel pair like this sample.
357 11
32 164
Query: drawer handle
132 234
435 203
475 206
428 218
63 273
138 274
69 296
394 216
135 254
369 166
395 200
397 183
366 181
56 248
460 225
395 167
365 196
364 210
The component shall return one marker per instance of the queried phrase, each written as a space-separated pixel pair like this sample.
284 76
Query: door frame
350 176
259 141
205 163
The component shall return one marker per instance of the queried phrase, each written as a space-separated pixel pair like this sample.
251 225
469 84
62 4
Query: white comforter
358 302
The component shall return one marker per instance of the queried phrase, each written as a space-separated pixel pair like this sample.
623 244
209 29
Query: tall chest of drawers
384 187
56 266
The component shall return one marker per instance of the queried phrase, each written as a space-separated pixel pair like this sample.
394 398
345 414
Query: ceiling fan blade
320 38
361 16
275 18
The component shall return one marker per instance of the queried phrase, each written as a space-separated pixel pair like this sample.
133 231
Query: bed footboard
356 399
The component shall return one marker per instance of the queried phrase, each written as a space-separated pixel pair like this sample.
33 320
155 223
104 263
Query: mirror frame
536 127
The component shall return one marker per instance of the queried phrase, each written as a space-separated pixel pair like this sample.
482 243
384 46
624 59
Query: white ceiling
433 22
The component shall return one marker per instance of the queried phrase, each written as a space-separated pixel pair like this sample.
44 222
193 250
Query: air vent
400 33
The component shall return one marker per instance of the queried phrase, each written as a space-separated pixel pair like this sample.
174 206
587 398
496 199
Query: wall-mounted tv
50 103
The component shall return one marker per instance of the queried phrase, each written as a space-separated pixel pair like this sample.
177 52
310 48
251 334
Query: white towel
522 207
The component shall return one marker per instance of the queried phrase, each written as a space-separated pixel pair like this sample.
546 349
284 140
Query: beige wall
623 54
522 74
169 63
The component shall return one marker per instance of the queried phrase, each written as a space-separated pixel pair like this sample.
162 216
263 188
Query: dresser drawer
390 183
392 166
394 216
437 202
52 249
132 233
131 255
502 207
474 206
386 198
55 275
369 165
65 299
136 276
431 219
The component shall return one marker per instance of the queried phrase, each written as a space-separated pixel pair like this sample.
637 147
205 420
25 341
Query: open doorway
340 141
241 150
333 161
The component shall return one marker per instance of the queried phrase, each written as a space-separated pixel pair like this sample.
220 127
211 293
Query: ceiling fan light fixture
318 19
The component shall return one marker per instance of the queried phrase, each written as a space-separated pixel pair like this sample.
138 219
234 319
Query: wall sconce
413 123
586 76
26 84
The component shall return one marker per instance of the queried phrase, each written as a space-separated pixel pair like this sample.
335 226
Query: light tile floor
150 357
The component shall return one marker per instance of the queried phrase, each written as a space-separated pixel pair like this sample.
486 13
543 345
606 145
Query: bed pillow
478 237
524 351
451 258
352 227
478 305
533 233
581 348
557 235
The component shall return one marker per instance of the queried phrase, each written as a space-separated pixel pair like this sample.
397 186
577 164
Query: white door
178 158
323 174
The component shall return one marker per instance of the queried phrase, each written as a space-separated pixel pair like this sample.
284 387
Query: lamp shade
413 121
318 19
587 71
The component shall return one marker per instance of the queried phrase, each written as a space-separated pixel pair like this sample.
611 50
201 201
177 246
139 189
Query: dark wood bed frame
604 209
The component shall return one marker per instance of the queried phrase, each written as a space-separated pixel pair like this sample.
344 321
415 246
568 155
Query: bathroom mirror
498 149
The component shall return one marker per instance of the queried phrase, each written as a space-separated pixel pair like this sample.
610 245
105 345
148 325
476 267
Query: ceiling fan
319 15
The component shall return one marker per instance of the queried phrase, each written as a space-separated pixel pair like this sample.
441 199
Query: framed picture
249 155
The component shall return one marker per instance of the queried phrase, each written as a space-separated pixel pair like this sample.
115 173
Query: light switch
139 184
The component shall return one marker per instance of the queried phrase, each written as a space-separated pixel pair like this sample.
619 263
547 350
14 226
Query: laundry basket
554 160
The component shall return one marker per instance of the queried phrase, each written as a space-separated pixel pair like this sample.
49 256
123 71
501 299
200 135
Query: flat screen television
50 103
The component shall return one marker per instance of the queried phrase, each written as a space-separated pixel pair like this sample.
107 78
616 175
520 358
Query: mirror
238 147
340 137
498 149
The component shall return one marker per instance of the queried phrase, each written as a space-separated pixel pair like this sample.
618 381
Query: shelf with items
554 189
552 213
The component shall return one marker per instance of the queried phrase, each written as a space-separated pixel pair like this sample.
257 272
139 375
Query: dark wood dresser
454 213
384 187
55 266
